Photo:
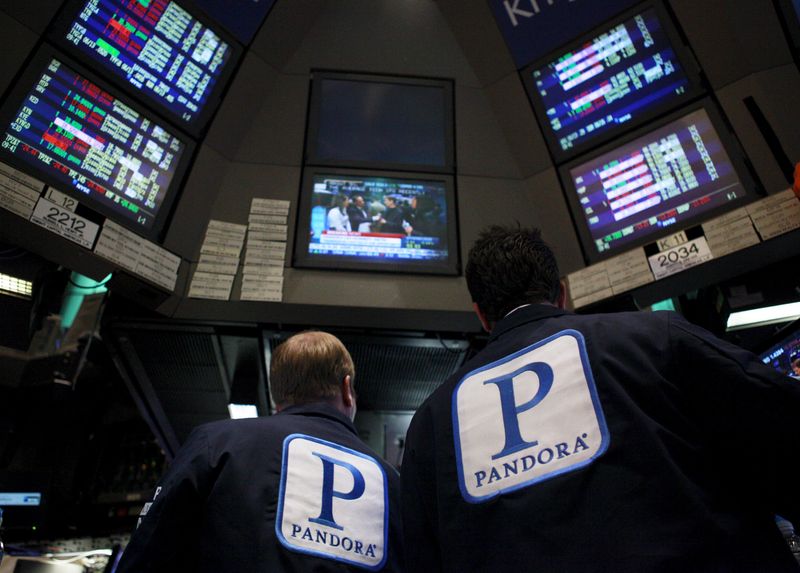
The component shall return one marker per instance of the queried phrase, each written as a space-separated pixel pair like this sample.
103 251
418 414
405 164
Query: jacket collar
321 410
524 315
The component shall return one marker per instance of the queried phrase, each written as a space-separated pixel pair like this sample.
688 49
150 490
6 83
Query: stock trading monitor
784 356
69 131
655 184
590 91
154 49
366 222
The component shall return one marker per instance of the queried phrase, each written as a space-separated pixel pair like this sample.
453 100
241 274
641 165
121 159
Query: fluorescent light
763 316
13 285
238 411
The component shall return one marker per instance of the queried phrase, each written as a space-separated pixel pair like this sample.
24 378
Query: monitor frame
61 24
314 113
689 64
790 23
301 258
731 146
26 81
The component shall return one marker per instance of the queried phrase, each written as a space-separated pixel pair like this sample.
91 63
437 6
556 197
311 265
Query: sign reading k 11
332 503
528 417
532 28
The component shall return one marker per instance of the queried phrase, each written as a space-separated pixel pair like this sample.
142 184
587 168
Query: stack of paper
219 261
266 250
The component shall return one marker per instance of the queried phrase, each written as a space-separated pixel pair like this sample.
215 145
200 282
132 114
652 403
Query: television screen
155 49
619 78
654 184
360 221
66 129
377 121
784 356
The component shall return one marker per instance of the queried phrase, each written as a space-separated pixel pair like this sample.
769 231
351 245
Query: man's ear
487 326
561 301
348 397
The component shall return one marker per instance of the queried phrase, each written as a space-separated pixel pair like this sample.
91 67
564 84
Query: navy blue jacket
662 448
215 510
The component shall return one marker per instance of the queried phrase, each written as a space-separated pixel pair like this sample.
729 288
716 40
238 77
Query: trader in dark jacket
298 491
631 442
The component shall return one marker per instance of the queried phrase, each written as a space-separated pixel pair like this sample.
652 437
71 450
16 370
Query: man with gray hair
298 491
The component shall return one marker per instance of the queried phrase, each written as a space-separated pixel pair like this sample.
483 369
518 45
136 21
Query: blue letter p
328 493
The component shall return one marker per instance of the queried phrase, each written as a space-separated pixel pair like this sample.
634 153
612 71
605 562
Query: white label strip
211 286
680 258
275 270
62 200
256 220
138 255
269 206
10 174
65 223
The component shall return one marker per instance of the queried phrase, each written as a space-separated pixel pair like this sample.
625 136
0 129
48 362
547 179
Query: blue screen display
658 180
71 130
785 356
610 80
160 49
378 219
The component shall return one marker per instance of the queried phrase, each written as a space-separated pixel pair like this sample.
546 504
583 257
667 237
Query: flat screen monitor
155 50
784 355
349 219
359 120
619 77
656 183
62 126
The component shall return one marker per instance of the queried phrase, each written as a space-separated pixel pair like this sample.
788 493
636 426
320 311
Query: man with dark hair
629 442
297 491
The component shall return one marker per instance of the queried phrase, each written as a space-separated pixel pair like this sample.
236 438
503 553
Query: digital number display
373 218
86 139
611 80
157 47
655 181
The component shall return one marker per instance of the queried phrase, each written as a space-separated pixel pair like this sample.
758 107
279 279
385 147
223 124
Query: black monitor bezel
729 143
61 24
687 61
783 334
302 259
314 111
790 22
25 82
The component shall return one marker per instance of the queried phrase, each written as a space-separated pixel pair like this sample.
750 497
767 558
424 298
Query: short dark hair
309 367
508 267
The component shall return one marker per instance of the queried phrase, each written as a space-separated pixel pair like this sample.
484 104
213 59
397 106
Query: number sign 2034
680 258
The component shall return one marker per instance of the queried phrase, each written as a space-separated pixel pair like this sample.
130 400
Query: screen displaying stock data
157 47
785 355
658 180
616 78
80 136
379 221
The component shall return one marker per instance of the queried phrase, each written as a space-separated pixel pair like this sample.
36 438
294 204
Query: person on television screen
359 218
295 491
795 368
424 218
338 220
392 218
627 442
